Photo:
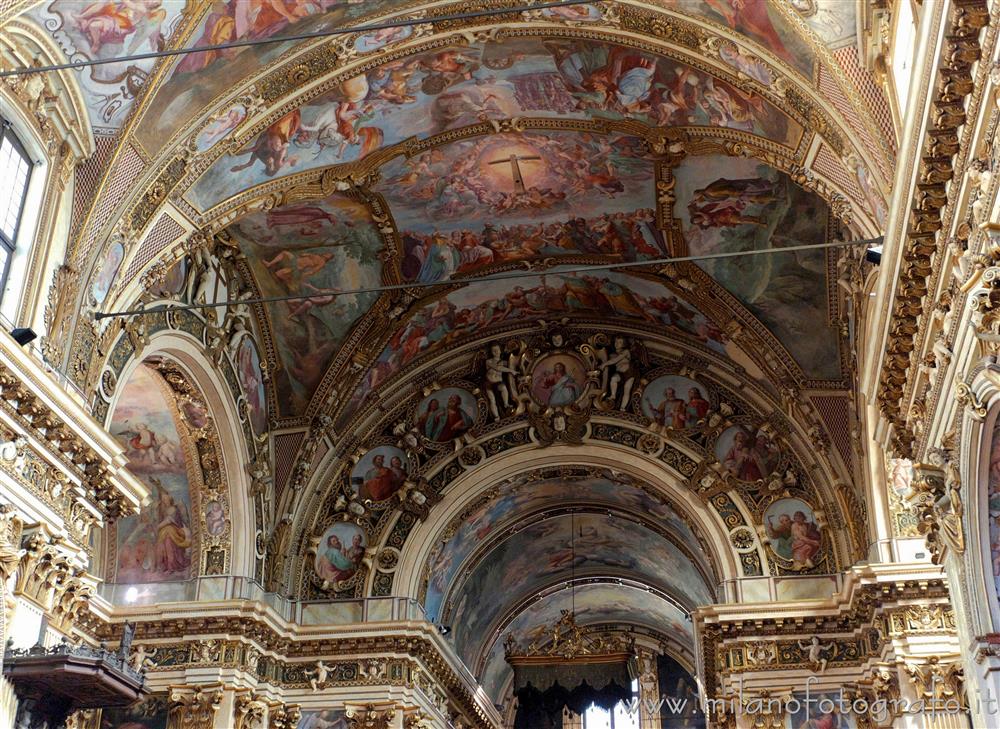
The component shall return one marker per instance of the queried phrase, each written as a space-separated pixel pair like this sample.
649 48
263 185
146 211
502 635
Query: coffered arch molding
410 574
187 353
305 504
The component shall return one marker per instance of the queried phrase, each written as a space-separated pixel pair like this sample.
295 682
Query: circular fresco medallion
792 532
446 414
379 474
746 454
676 402
173 280
558 380
340 551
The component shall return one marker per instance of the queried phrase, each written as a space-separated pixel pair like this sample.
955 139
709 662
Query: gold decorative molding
48 577
961 50
856 630
938 681
394 655
38 406
371 716
284 716
566 641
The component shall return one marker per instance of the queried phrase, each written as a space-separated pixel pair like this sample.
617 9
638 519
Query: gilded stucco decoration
460 293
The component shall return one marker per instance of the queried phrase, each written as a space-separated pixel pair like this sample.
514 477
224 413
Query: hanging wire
506 276
467 15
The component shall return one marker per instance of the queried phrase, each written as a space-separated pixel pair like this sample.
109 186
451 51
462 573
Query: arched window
15 172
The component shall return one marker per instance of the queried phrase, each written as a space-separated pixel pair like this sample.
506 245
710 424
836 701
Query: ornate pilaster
939 683
249 711
194 709
10 558
48 576
284 716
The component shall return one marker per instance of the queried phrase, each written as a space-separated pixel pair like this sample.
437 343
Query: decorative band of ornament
960 50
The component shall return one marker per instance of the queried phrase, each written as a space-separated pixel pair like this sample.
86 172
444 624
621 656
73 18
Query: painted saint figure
457 421
381 481
741 460
432 423
339 565
562 388
173 537
795 538
697 407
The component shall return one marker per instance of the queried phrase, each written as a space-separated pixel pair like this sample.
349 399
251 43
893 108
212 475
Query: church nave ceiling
422 94
375 188
182 86
365 174
553 201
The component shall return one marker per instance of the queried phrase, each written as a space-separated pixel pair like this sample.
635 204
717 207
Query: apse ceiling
596 604
502 565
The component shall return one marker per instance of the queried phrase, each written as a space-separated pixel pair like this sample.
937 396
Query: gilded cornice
961 269
284 655
855 626
941 144
22 462
52 102
36 406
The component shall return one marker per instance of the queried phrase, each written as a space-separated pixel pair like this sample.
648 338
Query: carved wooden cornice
960 51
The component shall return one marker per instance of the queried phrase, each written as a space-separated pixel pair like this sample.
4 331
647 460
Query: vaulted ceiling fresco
428 213
443 89
497 203
521 499
550 551
442 151
325 245
184 85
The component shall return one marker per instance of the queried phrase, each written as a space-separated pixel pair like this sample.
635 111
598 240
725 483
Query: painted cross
515 169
